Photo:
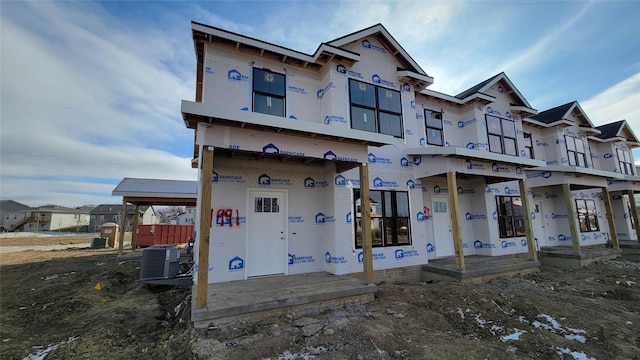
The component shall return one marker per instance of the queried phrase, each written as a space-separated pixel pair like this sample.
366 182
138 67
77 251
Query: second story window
375 109
528 146
268 92
433 124
624 162
576 154
502 135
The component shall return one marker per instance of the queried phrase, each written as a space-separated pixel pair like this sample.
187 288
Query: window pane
627 156
510 146
519 226
268 82
389 100
434 137
527 152
493 125
581 160
495 145
402 231
390 124
402 204
258 204
363 119
275 207
388 204
376 231
358 232
362 94
527 140
571 145
267 205
572 158
433 119
268 105
579 146
376 203
508 128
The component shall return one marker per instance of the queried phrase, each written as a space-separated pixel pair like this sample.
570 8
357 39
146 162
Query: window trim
511 220
585 215
384 219
528 146
267 94
377 108
427 127
626 167
573 154
502 135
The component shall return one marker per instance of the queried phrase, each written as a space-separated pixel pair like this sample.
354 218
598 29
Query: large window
576 154
375 108
502 135
587 215
528 146
389 218
510 218
268 92
624 162
433 124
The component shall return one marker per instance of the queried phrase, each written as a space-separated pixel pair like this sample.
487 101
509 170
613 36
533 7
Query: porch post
206 178
612 225
528 225
634 212
575 240
123 222
134 230
452 183
365 210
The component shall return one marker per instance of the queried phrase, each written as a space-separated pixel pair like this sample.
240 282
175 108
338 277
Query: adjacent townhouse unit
13 215
344 160
55 218
110 213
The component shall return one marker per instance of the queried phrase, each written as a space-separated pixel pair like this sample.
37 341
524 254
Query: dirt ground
51 305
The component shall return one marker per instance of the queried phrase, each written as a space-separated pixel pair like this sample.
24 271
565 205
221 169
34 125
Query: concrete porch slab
263 296
565 257
630 246
478 268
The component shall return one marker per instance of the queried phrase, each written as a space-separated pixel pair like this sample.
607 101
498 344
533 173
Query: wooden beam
452 183
612 225
134 230
528 223
575 239
204 229
123 222
634 212
365 210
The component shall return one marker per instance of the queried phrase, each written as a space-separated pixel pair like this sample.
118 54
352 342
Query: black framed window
375 108
624 161
510 217
528 146
576 154
587 215
390 224
268 92
433 125
502 135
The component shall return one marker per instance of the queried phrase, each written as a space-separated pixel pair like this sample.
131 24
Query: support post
365 210
206 178
134 230
452 183
123 222
634 212
528 224
575 239
612 225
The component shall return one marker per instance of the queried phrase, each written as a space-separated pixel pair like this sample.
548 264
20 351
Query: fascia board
475 154
534 122
581 170
589 130
479 95
415 75
336 51
438 95
524 109
201 109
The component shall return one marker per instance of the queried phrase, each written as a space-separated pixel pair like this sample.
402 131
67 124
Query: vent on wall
159 262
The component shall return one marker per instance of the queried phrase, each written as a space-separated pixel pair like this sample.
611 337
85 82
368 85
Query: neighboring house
13 215
110 213
291 136
55 218
187 217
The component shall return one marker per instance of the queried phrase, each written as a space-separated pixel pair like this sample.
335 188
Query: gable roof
486 84
10 205
562 113
617 130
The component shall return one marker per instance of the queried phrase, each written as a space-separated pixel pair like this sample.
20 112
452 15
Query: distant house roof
57 209
10 205
114 209
157 191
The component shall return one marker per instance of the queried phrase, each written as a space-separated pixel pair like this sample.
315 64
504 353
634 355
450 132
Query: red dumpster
163 234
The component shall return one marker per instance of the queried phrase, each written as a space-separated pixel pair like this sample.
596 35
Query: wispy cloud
619 102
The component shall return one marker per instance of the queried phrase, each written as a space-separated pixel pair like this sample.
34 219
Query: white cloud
617 103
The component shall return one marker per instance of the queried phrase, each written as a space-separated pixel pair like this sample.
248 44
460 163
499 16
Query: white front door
442 226
539 225
267 241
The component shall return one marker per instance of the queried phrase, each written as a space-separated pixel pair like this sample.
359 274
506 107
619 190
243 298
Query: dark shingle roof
476 88
610 130
554 114
10 205
108 209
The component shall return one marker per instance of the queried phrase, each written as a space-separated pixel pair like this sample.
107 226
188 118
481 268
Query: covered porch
479 268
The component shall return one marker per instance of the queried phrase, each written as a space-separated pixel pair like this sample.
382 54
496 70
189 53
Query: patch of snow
575 354
461 313
512 337
578 338
512 349
480 321
41 354
497 329
629 283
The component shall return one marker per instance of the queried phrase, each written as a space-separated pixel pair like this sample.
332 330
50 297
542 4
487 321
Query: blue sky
91 91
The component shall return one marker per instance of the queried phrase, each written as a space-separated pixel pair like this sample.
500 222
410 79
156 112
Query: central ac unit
159 262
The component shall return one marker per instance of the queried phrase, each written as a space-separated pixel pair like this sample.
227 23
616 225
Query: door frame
541 213
285 211
449 222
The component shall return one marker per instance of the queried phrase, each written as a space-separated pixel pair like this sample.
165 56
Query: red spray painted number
225 217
